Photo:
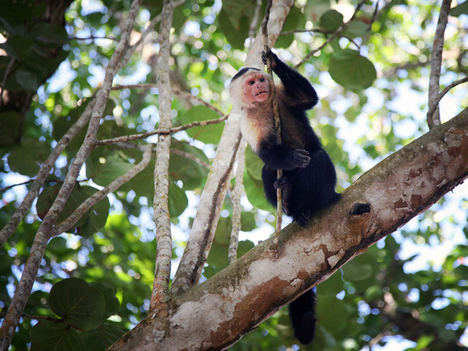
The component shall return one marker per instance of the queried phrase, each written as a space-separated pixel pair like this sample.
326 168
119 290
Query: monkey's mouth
261 92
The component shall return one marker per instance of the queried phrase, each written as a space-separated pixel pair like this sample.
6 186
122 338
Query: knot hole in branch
360 209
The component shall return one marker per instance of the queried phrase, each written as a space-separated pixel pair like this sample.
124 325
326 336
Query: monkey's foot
281 183
303 217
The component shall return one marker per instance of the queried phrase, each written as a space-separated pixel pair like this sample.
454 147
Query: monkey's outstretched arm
282 157
299 90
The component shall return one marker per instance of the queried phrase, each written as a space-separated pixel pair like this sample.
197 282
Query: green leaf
253 164
10 128
331 20
332 285
47 336
90 223
295 20
218 256
112 302
356 29
102 337
19 47
329 311
27 80
191 172
178 201
103 170
209 134
238 9
248 222
50 33
244 247
142 184
27 157
235 36
59 249
351 70
78 303
255 194
461 9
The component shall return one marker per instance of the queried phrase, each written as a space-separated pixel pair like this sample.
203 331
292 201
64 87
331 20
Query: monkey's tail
302 315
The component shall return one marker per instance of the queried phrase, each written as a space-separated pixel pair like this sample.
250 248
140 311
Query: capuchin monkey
309 177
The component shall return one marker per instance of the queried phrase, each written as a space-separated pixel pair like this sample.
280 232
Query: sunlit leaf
352 70
331 20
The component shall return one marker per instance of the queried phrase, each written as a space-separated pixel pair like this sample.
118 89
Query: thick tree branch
433 119
211 200
23 289
256 285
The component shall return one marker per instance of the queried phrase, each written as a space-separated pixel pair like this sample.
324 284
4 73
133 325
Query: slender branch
134 86
188 96
315 30
101 194
5 77
160 295
2 190
374 14
46 318
405 66
41 177
160 131
236 207
23 289
92 37
436 62
431 112
149 28
274 102
183 94
333 36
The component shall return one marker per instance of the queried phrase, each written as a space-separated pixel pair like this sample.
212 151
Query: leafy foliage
95 281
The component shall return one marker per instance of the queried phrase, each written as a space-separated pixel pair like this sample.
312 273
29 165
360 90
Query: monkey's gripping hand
269 55
301 158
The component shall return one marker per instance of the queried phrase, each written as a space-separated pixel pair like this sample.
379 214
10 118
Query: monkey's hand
281 183
301 158
269 55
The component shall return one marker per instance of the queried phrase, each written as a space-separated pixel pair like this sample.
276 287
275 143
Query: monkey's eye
251 82
262 79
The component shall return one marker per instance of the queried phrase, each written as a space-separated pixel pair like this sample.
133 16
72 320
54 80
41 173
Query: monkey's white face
256 88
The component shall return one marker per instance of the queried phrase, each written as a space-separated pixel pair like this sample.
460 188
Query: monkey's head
250 87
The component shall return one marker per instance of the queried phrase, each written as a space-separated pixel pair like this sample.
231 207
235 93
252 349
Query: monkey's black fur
306 190
302 315
309 177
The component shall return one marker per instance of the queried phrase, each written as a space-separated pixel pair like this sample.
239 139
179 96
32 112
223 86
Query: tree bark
218 312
